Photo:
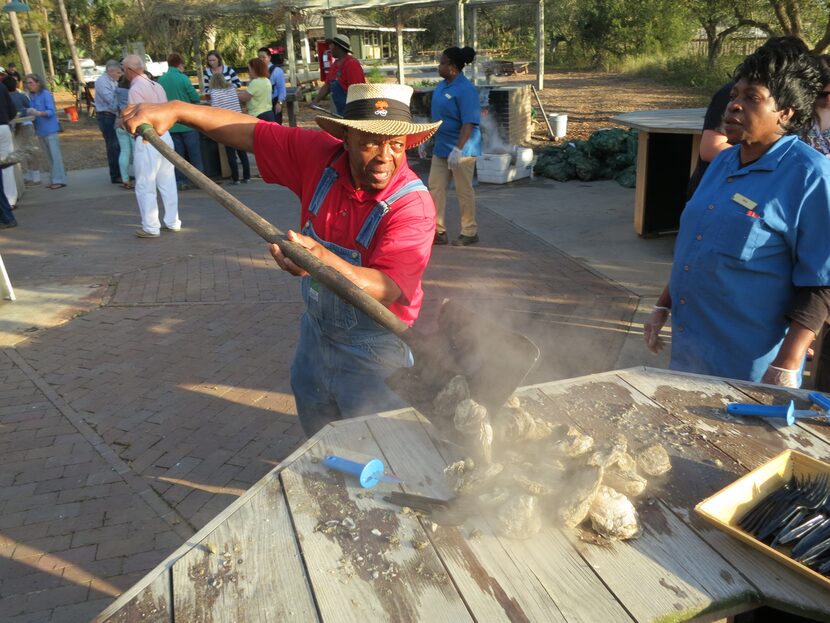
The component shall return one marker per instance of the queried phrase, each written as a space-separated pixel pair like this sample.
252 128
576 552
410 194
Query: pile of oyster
528 470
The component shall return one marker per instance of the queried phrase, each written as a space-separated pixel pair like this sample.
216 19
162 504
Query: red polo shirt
352 72
296 158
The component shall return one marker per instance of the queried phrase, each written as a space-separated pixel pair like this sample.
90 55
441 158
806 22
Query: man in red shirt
343 73
363 211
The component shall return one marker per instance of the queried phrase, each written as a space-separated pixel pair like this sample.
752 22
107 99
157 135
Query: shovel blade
494 359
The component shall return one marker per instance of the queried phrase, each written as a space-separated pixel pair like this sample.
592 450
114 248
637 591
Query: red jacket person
363 212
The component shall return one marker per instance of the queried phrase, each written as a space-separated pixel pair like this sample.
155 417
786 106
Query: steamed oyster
574 443
469 482
575 501
454 392
518 518
611 454
628 482
654 460
613 515
522 425
472 421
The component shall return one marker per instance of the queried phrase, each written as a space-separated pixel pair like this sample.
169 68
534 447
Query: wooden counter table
307 544
667 153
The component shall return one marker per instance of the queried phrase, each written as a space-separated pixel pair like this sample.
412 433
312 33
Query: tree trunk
71 42
48 43
91 36
713 46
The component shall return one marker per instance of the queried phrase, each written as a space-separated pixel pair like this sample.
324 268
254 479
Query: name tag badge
448 95
745 202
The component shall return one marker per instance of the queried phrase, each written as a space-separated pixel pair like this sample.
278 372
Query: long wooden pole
18 41
324 273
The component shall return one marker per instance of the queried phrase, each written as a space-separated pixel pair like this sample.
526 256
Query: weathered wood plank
780 586
818 426
702 400
669 573
151 604
369 568
248 569
677 120
604 405
542 579
682 575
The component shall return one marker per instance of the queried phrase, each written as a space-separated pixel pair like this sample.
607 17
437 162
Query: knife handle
784 412
820 400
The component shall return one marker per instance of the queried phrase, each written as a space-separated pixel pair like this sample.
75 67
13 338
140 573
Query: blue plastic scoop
369 474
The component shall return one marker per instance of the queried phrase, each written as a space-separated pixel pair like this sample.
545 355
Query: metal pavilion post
540 45
459 23
399 39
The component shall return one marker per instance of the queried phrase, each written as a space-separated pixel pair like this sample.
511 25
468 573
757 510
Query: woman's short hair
36 78
217 81
460 56
217 55
258 68
784 66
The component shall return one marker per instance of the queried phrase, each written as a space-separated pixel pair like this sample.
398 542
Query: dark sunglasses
823 94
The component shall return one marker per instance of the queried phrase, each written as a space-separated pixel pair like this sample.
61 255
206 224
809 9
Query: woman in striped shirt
215 65
225 95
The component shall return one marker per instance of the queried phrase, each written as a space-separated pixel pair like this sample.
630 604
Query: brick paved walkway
130 426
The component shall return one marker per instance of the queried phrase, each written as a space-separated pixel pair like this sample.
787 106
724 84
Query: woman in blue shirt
46 127
750 283
457 143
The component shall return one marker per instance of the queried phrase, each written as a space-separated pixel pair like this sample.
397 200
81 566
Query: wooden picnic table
281 553
667 151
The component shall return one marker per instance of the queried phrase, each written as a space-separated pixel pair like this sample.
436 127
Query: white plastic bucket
560 125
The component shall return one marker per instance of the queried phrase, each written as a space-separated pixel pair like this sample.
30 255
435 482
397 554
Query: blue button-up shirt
748 237
105 98
456 103
42 101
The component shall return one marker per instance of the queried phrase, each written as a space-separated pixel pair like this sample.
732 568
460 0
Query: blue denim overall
338 93
343 356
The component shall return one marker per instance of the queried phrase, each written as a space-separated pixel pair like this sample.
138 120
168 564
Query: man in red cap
344 72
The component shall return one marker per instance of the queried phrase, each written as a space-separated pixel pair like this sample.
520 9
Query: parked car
89 69
155 69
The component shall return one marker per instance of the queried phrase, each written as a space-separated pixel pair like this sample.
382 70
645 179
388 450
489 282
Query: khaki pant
439 179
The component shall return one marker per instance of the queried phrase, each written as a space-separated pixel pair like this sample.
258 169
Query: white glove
422 151
651 328
781 377
454 158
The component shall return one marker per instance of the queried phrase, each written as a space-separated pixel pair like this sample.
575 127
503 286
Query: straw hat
341 40
379 109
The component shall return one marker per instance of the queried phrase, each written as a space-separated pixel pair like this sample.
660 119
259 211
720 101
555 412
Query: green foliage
374 74
423 83
687 71
610 29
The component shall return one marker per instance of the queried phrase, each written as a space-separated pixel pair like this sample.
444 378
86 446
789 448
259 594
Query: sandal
55 186
128 186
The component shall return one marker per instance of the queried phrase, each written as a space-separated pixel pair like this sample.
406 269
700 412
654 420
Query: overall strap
323 186
370 225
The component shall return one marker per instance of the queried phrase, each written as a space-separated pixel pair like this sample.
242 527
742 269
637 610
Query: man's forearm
322 92
230 128
227 127
795 345
373 282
